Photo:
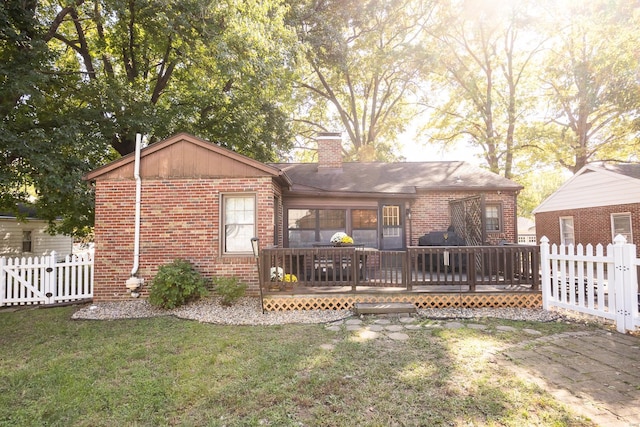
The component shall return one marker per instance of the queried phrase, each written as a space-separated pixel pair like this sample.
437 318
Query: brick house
599 202
203 203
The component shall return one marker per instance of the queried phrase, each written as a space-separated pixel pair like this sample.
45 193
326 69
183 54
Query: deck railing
419 268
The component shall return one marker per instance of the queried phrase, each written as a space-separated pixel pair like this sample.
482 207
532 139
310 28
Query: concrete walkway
595 373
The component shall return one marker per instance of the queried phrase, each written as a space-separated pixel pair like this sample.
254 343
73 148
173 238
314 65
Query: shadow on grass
167 371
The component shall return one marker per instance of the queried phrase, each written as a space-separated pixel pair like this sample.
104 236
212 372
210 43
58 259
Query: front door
392 227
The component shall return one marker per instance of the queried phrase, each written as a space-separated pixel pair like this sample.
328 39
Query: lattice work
466 217
346 302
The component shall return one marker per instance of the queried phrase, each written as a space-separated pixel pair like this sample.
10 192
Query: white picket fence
602 284
45 280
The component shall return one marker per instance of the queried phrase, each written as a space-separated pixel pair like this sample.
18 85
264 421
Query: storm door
392 227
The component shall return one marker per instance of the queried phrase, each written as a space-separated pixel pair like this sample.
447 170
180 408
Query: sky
418 152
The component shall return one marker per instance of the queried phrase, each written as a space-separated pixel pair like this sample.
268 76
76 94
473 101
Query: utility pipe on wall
134 283
136 238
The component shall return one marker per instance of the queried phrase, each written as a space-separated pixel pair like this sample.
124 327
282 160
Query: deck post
407 270
255 247
355 270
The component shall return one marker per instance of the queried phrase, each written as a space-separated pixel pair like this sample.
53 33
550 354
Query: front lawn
167 371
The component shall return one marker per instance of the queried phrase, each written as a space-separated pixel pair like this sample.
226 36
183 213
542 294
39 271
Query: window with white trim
238 222
621 224
566 230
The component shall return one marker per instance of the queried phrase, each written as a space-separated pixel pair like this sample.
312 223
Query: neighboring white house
599 202
29 237
526 231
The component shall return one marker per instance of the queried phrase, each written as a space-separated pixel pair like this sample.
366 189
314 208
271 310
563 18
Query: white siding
42 243
591 189
10 238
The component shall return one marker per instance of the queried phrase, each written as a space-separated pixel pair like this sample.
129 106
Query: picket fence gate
602 284
45 280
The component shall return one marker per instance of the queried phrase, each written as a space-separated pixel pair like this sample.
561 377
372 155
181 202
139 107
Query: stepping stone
353 327
375 328
395 328
382 321
399 336
503 328
334 328
476 326
432 326
354 322
453 325
412 327
384 307
368 335
532 332
407 320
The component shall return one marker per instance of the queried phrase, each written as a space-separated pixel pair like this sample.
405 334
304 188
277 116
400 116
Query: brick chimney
329 150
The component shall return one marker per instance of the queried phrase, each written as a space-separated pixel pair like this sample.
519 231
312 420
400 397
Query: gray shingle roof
394 178
631 170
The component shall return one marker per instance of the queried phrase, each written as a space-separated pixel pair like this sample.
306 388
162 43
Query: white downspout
134 283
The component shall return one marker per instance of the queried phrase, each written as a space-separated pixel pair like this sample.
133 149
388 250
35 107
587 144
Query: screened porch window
331 221
364 224
309 226
302 227
238 222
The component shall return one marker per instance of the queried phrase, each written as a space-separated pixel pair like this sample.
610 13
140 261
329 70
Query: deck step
384 307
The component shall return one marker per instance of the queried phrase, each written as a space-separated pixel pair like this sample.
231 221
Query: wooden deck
429 277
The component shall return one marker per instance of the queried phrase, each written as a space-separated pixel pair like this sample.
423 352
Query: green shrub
229 289
176 284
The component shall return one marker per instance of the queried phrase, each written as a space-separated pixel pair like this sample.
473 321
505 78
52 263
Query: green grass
166 371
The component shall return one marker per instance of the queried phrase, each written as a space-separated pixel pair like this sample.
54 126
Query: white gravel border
247 311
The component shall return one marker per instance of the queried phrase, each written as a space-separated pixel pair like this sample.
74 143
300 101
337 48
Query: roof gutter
353 194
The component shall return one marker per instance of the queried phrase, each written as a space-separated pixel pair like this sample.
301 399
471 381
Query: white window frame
563 233
243 247
628 236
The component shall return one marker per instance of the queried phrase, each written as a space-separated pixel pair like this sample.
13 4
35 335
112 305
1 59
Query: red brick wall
179 219
329 150
591 225
430 212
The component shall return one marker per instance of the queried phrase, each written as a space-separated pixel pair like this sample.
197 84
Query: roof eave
470 188
320 193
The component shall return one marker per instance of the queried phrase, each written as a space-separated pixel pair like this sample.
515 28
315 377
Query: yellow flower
290 278
347 240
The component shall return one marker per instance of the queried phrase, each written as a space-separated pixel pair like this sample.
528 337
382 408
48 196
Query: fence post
623 284
50 285
631 287
545 280
3 281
